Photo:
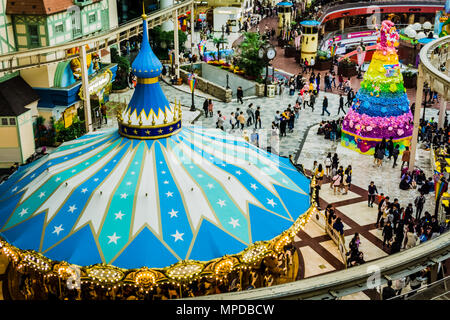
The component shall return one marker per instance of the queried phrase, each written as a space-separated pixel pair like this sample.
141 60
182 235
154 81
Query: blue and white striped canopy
104 198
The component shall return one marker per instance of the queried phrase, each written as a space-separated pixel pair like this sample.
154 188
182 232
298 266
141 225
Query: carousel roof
150 194
104 198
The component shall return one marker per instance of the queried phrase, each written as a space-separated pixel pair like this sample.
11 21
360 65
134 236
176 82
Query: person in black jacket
240 95
395 154
205 107
372 189
341 104
388 292
258 117
387 234
390 148
325 106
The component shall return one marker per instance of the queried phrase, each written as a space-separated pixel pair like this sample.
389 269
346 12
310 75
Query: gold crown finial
153 121
144 16
140 120
165 116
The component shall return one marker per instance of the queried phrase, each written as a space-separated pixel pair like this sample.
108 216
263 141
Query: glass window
34 35
59 28
92 18
12 121
4 122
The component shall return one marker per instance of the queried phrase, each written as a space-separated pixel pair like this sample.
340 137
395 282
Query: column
442 109
85 88
192 27
417 112
176 44
342 24
168 25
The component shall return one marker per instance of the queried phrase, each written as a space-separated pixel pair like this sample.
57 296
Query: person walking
328 163
104 114
390 148
372 191
258 118
381 201
205 107
240 95
395 154
335 162
336 182
341 104
311 64
298 103
306 99
250 115
325 106
220 121
210 108
405 157
419 203
283 123
232 121
380 155
388 292
241 120
312 101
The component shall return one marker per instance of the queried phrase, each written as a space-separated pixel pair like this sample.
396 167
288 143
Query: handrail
337 238
415 291
343 5
340 283
101 39
426 54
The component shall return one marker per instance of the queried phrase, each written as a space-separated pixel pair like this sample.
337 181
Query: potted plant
323 61
289 51
409 77
347 68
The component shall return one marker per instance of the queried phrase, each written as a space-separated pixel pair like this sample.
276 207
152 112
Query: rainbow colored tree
381 107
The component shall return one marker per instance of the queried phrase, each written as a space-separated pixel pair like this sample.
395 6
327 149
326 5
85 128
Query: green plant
348 62
248 59
161 41
323 55
77 129
218 42
409 72
123 70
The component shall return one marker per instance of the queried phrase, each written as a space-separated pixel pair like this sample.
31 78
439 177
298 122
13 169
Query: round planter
347 70
322 65
289 51
120 91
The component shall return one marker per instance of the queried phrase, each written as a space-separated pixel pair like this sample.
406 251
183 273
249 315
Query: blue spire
146 64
